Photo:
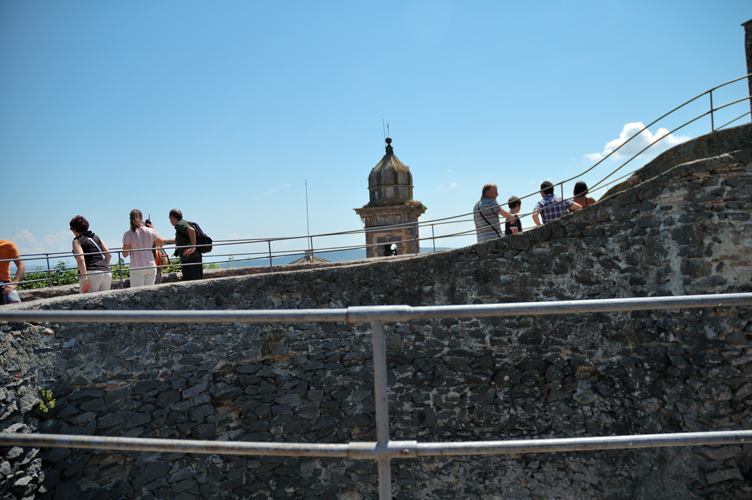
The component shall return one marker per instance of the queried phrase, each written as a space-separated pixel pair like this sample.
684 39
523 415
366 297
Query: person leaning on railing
551 207
185 240
143 267
486 214
581 195
92 257
514 225
8 252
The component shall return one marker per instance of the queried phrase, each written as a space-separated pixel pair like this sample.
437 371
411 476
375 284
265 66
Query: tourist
513 226
486 214
552 207
580 195
185 241
92 257
143 266
9 252
158 253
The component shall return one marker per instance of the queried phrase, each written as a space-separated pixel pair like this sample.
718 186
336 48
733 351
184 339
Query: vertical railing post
562 190
712 121
433 238
417 240
271 267
120 266
382 407
49 271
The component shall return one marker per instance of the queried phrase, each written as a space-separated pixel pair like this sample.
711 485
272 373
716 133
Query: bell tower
391 215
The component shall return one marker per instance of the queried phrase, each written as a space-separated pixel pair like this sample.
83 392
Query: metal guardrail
465 219
371 451
383 450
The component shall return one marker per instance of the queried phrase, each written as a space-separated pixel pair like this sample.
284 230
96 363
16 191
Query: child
514 226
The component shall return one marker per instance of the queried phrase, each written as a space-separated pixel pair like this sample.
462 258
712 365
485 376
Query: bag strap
95 244
484 218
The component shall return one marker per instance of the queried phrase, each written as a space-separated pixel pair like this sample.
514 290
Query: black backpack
203 242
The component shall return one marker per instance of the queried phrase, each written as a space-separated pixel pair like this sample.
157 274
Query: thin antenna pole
387 130
308 223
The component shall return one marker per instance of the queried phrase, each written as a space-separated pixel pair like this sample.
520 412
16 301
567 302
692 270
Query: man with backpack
185 239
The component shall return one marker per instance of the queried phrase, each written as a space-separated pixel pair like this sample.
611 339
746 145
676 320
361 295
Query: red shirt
8 250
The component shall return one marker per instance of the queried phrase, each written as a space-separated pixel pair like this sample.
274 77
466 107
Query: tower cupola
391 214
390 181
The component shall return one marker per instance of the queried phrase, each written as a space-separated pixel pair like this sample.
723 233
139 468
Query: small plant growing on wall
46 402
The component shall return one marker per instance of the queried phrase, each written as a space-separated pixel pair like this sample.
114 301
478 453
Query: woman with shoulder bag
92 257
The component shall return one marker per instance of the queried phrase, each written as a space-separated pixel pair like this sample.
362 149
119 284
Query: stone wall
685 231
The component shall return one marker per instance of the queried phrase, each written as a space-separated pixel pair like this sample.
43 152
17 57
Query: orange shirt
8 250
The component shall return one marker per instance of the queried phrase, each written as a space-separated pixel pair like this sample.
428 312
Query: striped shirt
490 227
551 207
143 237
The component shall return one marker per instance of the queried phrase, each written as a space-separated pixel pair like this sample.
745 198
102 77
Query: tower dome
390 181
391 215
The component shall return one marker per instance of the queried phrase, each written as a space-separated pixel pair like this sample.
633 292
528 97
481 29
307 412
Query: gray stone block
195 390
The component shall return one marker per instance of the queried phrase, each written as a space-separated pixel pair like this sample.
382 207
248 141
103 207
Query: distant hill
334 256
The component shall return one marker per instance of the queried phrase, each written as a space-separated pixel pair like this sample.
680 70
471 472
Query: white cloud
638 143
453 185
27 243
58 245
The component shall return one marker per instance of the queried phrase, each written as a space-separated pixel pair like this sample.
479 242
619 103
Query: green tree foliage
59 275
121 268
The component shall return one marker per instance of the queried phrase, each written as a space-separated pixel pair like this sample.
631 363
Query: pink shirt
143 237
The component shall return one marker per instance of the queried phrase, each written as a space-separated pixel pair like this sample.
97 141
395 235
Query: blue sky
225 109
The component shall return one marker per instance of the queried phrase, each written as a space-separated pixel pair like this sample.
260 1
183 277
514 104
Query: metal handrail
249 256
384 314
383 450
231 242
372 451
457 219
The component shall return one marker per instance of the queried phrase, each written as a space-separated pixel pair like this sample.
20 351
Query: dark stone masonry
684 231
